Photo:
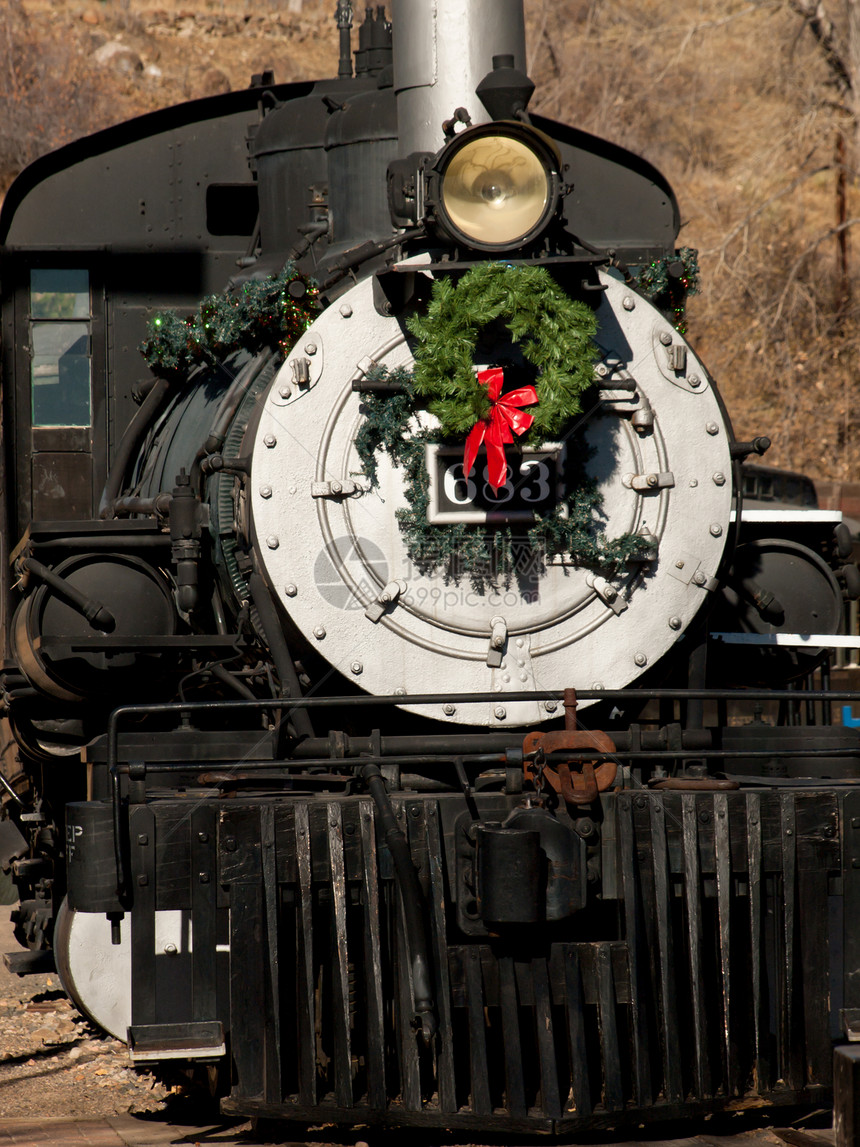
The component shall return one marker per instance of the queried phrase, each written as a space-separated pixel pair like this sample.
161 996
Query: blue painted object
849 721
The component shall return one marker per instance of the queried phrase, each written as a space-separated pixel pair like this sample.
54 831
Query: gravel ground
53 1062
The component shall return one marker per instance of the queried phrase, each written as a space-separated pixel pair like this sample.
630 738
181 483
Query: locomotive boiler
406 721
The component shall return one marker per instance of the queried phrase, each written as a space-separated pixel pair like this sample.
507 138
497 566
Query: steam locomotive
405 721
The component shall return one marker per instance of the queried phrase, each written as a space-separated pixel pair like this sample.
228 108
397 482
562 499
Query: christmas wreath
554 335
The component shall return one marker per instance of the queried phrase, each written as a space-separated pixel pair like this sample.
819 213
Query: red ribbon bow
495 432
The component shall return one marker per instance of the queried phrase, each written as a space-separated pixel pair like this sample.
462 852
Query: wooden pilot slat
613 1095
546 1046
754 866
372 961
445 1056
575 1006
692 893
304 962
723 859
340 972
666 1002
515 1085
479 1085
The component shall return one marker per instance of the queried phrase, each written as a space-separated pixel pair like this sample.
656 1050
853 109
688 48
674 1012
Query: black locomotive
406 721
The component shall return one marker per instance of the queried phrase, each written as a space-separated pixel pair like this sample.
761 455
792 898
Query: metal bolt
694 483
357 667
789 832
651 479
712 428
640 802
415 811
310 348
694 381
628 302
336 487
265 491
143 880
204 877
550 706
346 310
270 440
640 659
449 710
500 712
230 844
272 542
699 578
291 590
705 817
601 370
597 685
679 564
143 838
284 391
203 837
319 631
716 529
666 338
675 623
400 692
719 479
170 950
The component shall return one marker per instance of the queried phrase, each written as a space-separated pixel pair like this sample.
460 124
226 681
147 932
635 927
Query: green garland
271 312
484 552
668 290
553 331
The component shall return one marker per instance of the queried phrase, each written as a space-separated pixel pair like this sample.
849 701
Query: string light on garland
271 312
668 283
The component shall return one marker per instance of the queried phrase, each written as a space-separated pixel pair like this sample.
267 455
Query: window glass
60 374
59 294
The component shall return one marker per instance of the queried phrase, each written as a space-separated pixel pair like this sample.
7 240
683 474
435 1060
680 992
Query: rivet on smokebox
346 310
357 667
628 302
265 491
500 713
291 590
270 440
319 632
716 529
272 542
640 659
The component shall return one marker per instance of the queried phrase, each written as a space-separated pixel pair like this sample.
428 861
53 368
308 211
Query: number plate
534 483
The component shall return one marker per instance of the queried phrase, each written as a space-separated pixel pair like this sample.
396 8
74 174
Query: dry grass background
732 99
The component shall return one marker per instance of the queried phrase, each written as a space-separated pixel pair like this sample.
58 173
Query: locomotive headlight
495 186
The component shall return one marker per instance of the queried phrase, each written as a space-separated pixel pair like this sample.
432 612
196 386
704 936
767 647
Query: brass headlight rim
541 145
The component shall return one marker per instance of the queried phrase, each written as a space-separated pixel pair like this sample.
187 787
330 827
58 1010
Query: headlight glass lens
495 189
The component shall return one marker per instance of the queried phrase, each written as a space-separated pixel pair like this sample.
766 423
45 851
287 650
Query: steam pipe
96 614
129 442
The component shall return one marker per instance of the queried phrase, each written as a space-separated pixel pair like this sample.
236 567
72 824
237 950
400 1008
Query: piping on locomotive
410 741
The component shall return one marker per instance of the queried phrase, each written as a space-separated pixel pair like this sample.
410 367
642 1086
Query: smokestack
442 51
